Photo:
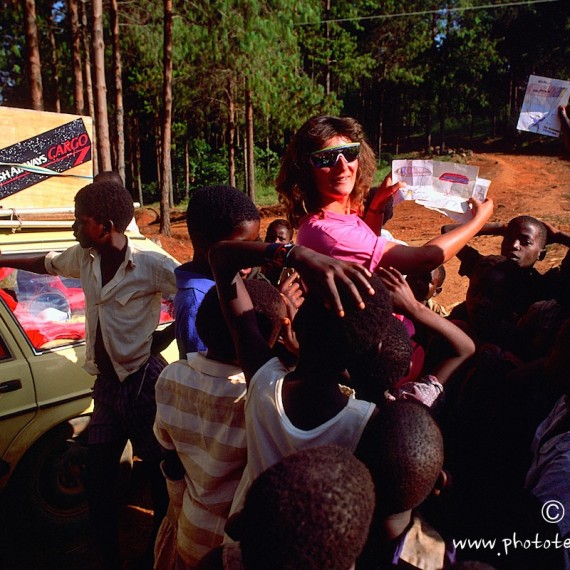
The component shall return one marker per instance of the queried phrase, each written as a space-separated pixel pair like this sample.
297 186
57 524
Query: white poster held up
539 113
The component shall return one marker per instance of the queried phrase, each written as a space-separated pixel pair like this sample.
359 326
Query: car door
18 404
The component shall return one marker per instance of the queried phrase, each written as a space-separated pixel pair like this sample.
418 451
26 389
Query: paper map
539 113
441 186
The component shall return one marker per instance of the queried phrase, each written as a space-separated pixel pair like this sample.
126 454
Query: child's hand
324 274
402 296
291 291
551 232
288 337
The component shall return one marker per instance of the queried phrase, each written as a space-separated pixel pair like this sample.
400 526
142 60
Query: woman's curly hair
295 184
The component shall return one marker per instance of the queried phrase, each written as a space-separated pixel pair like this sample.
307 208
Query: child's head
109 176
218 213
424 286
408 458
373 373
311 510
524 241
105 202
279 231
213 330
335 341
493 292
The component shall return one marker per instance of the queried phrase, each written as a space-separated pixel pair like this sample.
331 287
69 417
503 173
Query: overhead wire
427 12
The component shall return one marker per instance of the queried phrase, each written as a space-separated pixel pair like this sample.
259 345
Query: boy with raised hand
524 241
287 411
214 213
123 286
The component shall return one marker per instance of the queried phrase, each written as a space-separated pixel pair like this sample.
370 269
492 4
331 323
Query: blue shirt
192 287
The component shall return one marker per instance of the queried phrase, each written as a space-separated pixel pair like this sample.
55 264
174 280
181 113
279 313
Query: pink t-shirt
342 236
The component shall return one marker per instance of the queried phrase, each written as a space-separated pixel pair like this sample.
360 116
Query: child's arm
33 264
404 301
488 229
556 236
439 249
319 272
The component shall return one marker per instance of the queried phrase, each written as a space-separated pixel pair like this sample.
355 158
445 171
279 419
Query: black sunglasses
328 157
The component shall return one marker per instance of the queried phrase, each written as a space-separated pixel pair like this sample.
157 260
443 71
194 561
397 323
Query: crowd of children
328 413
444 410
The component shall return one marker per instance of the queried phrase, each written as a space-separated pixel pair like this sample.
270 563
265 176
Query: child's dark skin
424 285
522 244
278 233
521 240
319 272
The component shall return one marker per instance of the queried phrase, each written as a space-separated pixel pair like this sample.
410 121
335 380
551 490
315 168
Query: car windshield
51 309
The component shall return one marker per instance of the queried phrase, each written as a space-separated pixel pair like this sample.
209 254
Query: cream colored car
45 395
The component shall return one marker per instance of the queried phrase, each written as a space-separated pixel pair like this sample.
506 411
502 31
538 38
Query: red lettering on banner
70 147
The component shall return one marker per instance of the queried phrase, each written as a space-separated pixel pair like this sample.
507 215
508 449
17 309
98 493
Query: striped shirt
200 414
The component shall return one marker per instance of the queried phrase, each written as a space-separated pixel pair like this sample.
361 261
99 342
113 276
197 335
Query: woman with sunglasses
323 181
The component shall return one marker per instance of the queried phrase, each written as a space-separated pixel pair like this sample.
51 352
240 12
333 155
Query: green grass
265 195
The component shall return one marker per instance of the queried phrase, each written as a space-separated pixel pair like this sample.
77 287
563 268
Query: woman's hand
482 210
383 193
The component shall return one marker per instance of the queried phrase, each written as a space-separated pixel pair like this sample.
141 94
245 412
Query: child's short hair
106 201
312 510
373 373
215 212
268 306
408 455
109 176
321 331
272 229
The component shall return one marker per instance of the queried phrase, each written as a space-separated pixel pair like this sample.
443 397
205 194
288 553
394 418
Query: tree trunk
118 73
158 145
231 135
186 170
89 84
442 117
267 147
34 62
54 64
249 143
137 147
381 126
328 43
73 9
166 122
102 119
